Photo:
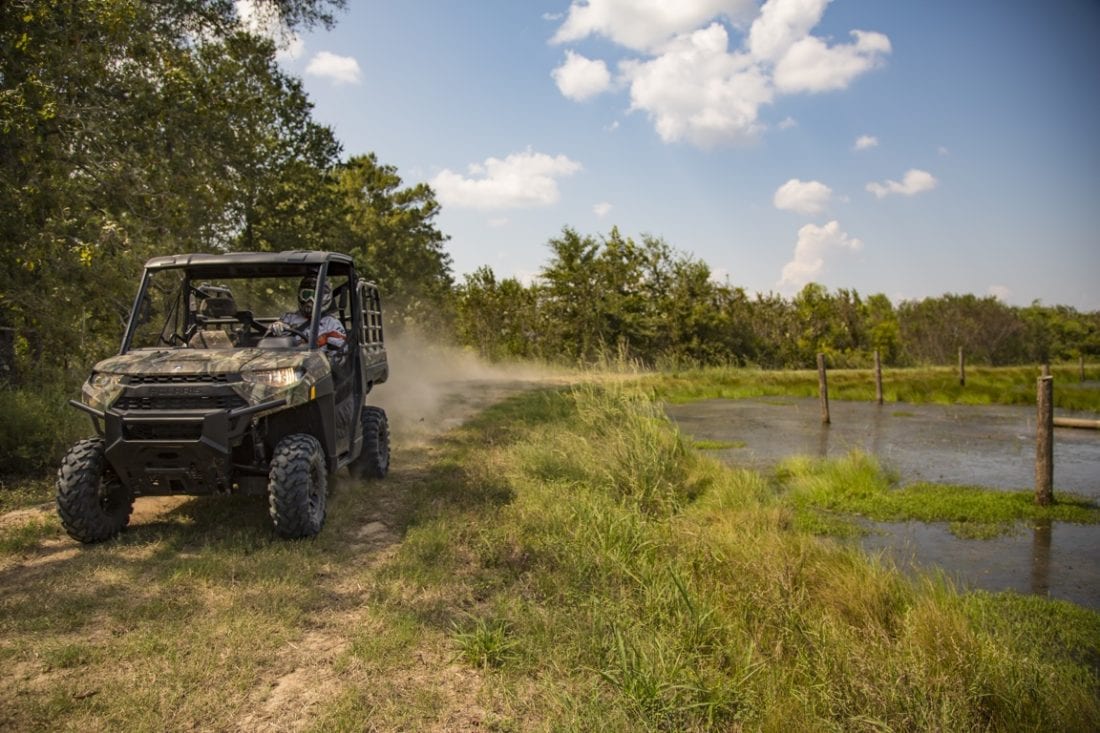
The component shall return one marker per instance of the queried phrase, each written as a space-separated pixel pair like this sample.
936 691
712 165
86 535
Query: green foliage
858 485
391 232
36 429
608 298
131 129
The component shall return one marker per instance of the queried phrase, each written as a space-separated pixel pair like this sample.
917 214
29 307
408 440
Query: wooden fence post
1044 442
823 389
878 377
1044 370
962 368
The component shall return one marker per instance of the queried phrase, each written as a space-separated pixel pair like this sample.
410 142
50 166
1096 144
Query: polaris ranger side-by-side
209 394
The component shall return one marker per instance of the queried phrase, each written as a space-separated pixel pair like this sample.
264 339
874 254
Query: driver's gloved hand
278 328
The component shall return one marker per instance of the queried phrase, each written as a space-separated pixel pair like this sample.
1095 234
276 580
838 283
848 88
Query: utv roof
292 257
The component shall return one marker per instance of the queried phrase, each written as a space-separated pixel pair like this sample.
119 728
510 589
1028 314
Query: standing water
989 446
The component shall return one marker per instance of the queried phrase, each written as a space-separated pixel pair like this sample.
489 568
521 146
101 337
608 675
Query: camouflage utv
203 398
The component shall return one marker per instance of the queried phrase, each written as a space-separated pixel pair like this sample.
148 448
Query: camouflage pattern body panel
246 369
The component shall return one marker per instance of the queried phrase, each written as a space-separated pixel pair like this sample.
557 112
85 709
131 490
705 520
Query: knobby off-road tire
297 486
92 501
374 462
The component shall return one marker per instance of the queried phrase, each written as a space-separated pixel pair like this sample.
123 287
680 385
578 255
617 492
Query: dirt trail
430 392
423 402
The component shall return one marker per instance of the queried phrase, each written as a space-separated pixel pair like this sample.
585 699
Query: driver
331 333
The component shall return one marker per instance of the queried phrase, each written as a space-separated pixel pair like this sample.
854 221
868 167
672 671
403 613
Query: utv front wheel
374 461
92 502
296 487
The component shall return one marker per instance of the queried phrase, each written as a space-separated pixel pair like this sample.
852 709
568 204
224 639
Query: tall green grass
641 586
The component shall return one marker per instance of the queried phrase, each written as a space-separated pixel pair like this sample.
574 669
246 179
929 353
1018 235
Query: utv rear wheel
374 461
92 502
296 487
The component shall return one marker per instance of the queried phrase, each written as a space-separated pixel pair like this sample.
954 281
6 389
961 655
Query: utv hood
257 375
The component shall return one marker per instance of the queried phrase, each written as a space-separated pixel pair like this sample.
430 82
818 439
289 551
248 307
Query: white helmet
307 293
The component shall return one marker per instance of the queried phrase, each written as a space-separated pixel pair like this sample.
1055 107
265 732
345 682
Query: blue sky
907 148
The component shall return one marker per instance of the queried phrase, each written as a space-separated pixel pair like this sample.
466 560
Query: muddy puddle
990 446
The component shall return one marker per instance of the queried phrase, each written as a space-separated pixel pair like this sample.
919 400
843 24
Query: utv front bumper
184 451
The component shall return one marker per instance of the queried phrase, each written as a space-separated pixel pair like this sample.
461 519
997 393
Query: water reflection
1040 557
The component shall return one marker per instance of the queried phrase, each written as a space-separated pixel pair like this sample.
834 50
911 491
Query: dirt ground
429 393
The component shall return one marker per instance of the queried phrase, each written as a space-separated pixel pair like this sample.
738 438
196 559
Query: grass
717 444
857 485
566 562
938 385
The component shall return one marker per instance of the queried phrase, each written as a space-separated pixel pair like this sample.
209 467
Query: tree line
610 296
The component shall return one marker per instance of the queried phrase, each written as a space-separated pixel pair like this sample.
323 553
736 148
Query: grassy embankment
567 562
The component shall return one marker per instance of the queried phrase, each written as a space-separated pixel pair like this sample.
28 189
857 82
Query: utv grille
180 402
166 431
179 379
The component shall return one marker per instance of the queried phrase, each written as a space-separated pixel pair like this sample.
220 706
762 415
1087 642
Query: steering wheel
289 329
245 317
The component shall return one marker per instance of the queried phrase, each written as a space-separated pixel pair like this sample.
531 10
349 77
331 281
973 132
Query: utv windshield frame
200 268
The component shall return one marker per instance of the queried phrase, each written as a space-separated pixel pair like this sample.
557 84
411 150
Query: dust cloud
434 387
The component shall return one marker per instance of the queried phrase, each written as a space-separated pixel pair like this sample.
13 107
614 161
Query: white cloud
915 181
498 222
803 197
814 243
787 123
338 69
645 25
1000 292
865 142
812 66
943 151
781 24
698 91
602 209
262 18
579 78
521 180
698 86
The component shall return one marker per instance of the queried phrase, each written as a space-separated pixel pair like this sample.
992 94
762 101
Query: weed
485 643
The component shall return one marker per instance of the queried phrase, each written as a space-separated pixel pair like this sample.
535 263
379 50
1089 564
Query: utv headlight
104 380
285 377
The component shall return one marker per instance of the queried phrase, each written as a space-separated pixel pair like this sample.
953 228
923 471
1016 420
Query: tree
391 231
121 126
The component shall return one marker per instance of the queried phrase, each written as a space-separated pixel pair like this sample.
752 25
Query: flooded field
990 446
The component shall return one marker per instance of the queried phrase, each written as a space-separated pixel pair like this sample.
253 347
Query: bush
35 430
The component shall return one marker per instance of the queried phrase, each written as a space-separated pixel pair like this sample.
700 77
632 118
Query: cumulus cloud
602 209
699 86
814 244
781 24
580 78
698 91
812 66
645 25
1000 292
520 180
865 142
915 181
337 69
803 197
787 123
